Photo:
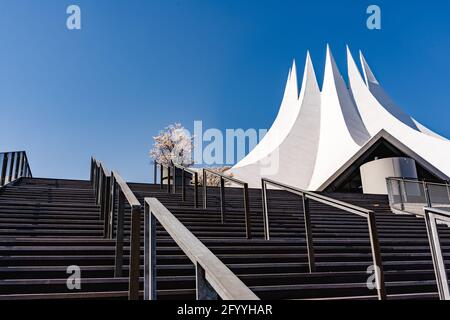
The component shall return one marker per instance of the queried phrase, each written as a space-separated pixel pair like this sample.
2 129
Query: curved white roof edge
387 103
316 134
427 131
282 125
274 157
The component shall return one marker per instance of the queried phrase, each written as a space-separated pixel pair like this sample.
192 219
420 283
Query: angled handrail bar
362 212
432 216
214 279
414 180
109 187
125 193
248 229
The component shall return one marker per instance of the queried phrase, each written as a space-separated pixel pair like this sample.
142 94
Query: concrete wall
374 174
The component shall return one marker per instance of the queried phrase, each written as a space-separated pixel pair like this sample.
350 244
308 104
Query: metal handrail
213 278
403 193
100 176
431 216
14 166
183 187
183 169
125 193
231 179
362 212
110 186
248 229
416 180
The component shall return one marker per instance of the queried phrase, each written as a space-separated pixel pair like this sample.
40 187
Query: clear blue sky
137 66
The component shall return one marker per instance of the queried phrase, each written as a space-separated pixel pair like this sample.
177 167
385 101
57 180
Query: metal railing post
204 291
402 191
213 278
174 179
102 194
150 284
91 172
183 188
11 166
427 195
106 209
16 166
94 178
112 203
436 254
155 172
97 184
205 190
28 175
168 179
118 261
222 199
376 254
390 192
448 189
22 167
248 224
196 190
161 174
135 253
110 186
309 235
4 167
265 210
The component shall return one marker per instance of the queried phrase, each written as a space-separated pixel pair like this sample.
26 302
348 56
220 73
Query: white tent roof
318 132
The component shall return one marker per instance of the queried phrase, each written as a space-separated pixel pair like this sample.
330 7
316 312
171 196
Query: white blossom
173 145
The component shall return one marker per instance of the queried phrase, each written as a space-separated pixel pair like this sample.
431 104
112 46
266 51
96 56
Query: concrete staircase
47 225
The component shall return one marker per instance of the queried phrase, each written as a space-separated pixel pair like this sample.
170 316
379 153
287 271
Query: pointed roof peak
368 74
294 71
329 53
330 60
309 67
291 88
308 55
308 63
352 69
361 55
331 63
310 85
348 49
350 57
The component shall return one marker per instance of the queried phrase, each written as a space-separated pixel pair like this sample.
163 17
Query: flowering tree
173 145
213 180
